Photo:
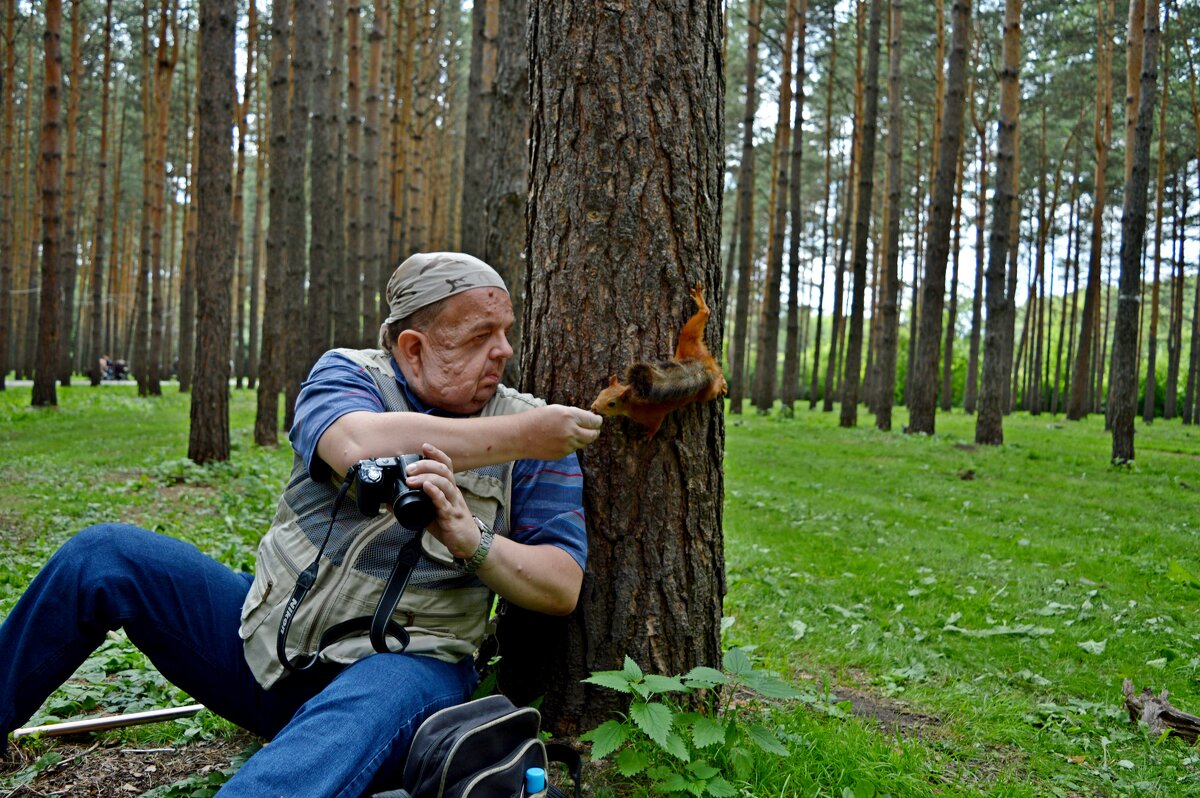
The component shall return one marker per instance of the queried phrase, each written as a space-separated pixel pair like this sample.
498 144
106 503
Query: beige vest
443 610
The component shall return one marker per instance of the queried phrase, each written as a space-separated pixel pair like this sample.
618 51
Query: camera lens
412 506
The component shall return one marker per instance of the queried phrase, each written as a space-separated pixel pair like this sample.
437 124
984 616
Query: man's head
447 328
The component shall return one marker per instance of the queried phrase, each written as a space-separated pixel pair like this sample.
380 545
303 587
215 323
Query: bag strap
568 756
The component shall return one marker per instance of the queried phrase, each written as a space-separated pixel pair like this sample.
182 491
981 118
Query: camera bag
480 749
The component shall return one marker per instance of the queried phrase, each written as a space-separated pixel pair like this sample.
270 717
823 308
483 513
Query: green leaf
719 788
674 783
631 762
765 739
743 762
653 719
632 672
706 732
613 680
768 685
702 677
664 684
676 747
736 662
702 770
606 738
1177 573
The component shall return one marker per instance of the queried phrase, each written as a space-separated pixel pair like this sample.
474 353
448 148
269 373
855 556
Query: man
500 469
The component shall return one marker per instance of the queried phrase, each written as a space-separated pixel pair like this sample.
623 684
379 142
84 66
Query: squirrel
651 390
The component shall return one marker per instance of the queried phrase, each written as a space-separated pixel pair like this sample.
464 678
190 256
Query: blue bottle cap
535 780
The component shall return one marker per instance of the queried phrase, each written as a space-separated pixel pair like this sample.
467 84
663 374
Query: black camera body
383 480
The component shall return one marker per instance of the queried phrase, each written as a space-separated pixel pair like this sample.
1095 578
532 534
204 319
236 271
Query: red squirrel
651 390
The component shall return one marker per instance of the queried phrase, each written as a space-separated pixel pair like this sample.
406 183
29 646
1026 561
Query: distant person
500 469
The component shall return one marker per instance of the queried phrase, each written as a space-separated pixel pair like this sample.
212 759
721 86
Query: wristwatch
471 565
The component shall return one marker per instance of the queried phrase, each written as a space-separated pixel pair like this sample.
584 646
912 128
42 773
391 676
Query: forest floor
958 619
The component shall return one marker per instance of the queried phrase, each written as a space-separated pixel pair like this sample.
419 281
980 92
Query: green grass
992 599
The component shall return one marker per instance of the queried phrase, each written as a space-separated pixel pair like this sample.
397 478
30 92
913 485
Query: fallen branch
108 722
1159 715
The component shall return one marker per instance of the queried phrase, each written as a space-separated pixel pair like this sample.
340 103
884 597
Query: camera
383 480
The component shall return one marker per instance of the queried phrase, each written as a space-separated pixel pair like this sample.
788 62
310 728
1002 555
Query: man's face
456 363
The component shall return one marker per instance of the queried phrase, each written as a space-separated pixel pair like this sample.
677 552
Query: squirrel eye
612 404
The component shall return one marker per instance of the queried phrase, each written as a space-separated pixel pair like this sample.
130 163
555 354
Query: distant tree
889 304
827 185
485 28
68 254
862 226
740 340
209 435
922 404
323 199
7 184
1133 233
50 187
94 348
1159 184
980 123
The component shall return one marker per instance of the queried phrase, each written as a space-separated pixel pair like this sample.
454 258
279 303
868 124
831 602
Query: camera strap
379 626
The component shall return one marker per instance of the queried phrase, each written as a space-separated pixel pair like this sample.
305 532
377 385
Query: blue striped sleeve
335 386
547 505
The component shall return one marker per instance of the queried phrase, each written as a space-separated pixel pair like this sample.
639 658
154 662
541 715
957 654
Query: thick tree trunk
599 85
1133 233
922 406
862 226
989 427
738 359
49 185
889 304
8 228
209 438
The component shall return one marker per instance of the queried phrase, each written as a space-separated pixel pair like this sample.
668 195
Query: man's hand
453 527
555 431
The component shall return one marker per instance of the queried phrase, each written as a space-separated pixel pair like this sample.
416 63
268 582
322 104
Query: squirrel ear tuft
612 381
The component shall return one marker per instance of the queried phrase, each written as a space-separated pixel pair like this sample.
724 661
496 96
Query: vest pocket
271 578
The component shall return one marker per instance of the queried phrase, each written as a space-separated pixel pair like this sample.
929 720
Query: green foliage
694 734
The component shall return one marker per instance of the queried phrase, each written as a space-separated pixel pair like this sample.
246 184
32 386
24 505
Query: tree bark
889 304
862 225
326 224
767 351
69 258
1175 329
597 78
486 19
49 185
738 359
1133 233
209 438
95 329
7 183
922 406
1151 391
828 184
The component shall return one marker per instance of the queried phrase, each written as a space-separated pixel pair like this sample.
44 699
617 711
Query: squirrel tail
668 380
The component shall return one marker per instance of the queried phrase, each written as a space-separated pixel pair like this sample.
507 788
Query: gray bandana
428 277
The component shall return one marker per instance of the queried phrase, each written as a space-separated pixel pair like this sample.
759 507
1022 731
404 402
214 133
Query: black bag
480 749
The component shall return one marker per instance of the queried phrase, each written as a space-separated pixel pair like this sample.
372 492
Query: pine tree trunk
1078 406
794 343
914 315
579 226
828 184
164 70
989 426
485 23
95 329
971 389
740 339
889 305
7 184
354 180
1148 406
326 225
261 156
372 263
1133 233
767 351
862 226
507 184
1175 332
266 422
947 392
69 257
209 438
49 185
241 111
922 406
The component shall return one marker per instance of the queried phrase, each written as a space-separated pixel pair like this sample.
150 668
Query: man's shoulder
510 400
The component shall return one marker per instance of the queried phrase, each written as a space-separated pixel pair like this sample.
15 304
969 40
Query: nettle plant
690 734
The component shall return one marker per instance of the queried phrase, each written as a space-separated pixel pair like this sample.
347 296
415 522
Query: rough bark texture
7 183
326 225
922 405
486 19
49 183
1133 239
507 180
862 224
209 438
989 426
624 218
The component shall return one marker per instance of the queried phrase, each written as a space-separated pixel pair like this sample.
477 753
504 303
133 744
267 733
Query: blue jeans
335 730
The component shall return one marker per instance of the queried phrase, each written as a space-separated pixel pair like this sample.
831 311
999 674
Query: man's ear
408 349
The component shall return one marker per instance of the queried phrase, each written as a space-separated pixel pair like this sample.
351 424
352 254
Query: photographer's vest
443 610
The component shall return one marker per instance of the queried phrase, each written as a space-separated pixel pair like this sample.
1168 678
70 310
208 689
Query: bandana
428 277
